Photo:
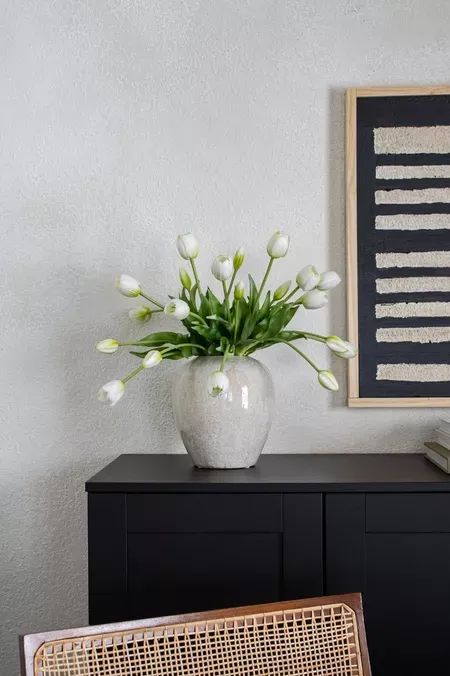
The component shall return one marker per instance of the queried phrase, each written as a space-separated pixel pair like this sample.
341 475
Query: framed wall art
398 245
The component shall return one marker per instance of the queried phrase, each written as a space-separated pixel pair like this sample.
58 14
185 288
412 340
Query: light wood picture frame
388 129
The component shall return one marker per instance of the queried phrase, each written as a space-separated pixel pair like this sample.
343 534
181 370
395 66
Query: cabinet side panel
345 543
302 547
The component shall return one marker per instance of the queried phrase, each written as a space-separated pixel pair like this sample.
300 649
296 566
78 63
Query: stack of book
438 451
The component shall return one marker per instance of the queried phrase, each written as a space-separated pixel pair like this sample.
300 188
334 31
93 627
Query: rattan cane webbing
318 641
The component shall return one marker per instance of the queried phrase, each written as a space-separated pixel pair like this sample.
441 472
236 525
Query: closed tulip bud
222 268
281 291
308 278
328 280
185 280
111 392
314 299
238 259
177 309
142 313
239 290
187 246
128 286
152 358
278 245
342 348
107 346
328 380
217 383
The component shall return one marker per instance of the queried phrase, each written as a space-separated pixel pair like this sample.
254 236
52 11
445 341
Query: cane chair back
316 637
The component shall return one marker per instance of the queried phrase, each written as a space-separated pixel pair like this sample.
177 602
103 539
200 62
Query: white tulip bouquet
238 324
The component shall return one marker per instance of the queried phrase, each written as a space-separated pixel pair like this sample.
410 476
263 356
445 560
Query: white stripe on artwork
413 222
418 373
411 140
412 284
403 310
425 196
414 259
393 171
422 334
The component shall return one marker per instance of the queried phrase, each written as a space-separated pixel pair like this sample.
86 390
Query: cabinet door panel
176 573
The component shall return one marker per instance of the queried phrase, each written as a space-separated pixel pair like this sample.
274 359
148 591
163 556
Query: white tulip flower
314 299
107 346
328 380
222 268
152 358
278 245
142 313
111 392
342 348
177 308
187 246
308 278
217 383
328 280
128 286
239 291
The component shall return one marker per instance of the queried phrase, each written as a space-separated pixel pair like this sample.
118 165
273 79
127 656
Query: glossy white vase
228 431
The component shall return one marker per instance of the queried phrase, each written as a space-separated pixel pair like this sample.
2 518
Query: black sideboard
166 538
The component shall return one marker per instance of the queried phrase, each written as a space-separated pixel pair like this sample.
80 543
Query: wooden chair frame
34 645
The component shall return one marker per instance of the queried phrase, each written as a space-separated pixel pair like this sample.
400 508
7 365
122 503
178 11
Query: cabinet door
395 549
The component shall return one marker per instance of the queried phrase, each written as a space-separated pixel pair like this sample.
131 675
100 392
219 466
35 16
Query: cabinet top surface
157 473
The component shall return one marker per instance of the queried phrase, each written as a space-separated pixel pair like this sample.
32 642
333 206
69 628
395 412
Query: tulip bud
239 290
238 259
222 268
217 383
328 280
314 299
328 380
278 245
152 358
342 348
107 346
111 392
177 308
308 278
185 280
128 286
282 290
187 246
142 313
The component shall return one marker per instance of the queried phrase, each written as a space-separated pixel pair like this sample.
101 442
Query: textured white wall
122 124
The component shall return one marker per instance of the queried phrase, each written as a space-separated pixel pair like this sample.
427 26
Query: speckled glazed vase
228 431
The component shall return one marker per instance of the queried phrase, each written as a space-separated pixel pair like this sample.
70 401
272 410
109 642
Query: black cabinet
396 547
166 538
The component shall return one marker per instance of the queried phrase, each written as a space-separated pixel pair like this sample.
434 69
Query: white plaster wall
123 123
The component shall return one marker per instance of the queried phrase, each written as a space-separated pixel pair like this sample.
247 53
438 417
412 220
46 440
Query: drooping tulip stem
132 374
224 359
264 280
152 300
302 354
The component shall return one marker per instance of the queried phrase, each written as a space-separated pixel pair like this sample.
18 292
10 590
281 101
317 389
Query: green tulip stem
152 300
302 354
293 292
132 374
224 359
230 285
197 281
263 283
226 291
236 321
